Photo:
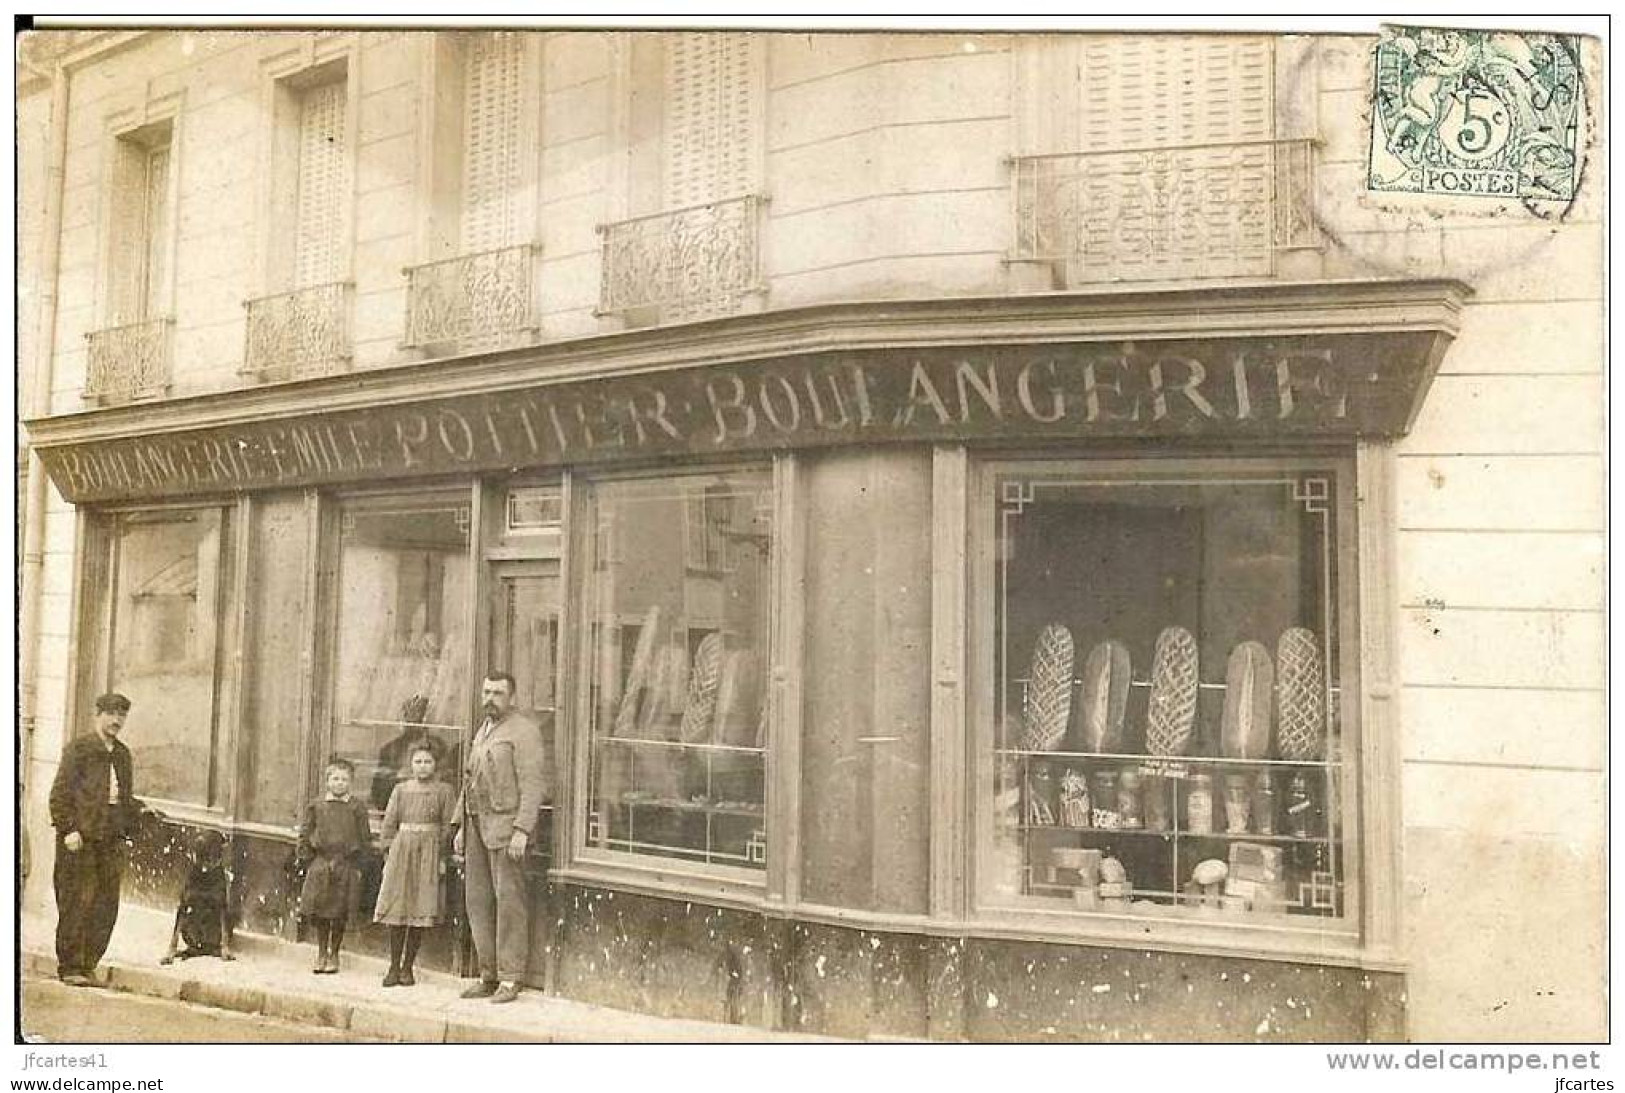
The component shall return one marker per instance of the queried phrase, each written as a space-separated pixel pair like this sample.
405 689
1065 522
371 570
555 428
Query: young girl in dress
417 823
333 844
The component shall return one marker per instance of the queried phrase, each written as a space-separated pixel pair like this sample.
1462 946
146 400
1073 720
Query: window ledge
739 892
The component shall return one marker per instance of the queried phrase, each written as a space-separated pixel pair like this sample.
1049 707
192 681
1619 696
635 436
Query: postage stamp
1477 113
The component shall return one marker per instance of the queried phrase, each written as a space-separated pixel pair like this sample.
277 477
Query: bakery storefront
984 668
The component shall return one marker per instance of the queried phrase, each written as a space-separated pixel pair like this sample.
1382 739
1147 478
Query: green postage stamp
1477 113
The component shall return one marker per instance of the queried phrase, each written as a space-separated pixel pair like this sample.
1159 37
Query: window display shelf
369 723
676 804
1167 761
1140 832
641 742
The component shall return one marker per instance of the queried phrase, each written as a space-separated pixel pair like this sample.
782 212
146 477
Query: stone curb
378 1022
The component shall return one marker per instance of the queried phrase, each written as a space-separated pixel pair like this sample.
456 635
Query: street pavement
271 982
54 1013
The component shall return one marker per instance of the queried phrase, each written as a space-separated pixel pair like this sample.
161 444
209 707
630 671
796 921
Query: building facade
1007 538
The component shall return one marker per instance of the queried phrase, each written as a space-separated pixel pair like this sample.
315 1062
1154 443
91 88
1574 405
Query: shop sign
1242 389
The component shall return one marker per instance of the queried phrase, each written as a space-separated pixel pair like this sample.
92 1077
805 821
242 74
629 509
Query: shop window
1165 733
676 696
401 670
167 601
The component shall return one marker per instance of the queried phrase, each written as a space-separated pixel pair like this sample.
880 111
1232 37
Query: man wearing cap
93 806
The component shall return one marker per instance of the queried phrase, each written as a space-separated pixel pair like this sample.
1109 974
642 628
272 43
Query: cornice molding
1252 310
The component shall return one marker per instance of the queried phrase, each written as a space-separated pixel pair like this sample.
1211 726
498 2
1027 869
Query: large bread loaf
1105 696
1174 679
637 677
1300 696
1049 690
1249 686
701 708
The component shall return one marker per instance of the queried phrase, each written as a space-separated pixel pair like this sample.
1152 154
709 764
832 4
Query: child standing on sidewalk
417 823
333 844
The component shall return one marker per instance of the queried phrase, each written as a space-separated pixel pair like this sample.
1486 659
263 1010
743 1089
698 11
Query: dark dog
202 921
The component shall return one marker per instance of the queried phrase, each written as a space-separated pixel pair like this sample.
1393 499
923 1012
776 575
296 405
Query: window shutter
323 178
491 141
1202 211
1161 90
155 233
711 128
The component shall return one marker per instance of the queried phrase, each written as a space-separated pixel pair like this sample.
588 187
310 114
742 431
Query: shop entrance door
524 642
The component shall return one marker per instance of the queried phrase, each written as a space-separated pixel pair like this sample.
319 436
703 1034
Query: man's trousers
498 908
87 887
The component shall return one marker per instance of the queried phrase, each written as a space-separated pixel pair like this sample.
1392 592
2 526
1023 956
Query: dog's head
209 848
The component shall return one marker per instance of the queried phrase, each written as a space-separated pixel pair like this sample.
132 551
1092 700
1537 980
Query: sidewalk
272 977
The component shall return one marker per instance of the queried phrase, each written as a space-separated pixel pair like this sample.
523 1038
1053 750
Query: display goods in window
1105 696
1199 805
1238 803
1174 685
703 680
1301 695
1074 798
1049 690
1041 796
739 721
1248 686
626 718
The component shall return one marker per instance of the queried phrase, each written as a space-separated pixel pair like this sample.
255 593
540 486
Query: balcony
1177 213
694 261
128 363
473 297
297 334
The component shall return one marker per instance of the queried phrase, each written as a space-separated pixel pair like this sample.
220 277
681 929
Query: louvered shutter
323 179
711 128
1192 212
155 233
491 141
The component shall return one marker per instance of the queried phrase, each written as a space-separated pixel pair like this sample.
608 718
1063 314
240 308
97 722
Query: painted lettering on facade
1241 387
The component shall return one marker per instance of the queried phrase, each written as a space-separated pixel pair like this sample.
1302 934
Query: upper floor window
128 357
1156 157
301 326
141 225
690 245
476 280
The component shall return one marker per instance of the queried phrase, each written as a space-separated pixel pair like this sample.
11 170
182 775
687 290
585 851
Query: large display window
168 575
1164 733
676 599
401 637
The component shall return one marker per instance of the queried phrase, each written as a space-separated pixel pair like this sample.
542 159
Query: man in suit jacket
93 808
503 779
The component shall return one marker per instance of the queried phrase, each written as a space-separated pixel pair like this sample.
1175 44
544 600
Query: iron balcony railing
472 296
129 362
1190 211
702 259
301 333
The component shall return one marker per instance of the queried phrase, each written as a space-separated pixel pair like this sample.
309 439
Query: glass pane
1166 729
402 671
678 602
525 643
168 583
